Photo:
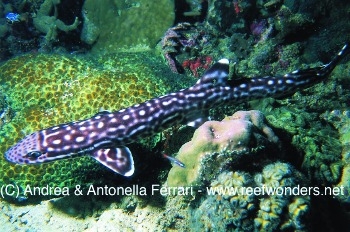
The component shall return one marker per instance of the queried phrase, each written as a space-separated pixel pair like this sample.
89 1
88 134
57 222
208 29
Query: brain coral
45 90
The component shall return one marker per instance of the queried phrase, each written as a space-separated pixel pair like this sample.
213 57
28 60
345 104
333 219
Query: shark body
105 135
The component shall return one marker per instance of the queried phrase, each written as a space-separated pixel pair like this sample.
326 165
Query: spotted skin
104 135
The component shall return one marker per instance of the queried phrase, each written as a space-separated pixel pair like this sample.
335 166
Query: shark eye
33 154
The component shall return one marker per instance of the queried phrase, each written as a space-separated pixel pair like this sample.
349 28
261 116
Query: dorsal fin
217 74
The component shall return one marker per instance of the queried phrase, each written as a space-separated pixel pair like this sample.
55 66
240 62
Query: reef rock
214 144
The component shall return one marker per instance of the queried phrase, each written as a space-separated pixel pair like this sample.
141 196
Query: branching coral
49 25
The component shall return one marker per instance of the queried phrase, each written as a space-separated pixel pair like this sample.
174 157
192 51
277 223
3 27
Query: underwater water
174 115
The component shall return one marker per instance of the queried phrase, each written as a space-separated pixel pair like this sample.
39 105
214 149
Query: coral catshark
105 135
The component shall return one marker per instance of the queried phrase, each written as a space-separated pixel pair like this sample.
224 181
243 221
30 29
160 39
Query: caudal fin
328 68
320 72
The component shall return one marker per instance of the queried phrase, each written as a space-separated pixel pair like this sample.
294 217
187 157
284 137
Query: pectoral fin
119 159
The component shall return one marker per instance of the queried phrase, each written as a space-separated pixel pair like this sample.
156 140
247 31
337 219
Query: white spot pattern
100 125
126 117
57 141
80 139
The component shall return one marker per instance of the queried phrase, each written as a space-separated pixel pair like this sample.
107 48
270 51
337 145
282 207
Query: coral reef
195 65
48 25
266 37
265 58
45 90
263 38
280 176
330 30
233 207
220 212
185 38
6 113
317 144
173 41
4 28
228 16
38 25
214 144
341 121
319 148
125 22
290 18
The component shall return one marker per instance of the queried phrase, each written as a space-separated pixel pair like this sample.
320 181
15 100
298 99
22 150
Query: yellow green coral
45 90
